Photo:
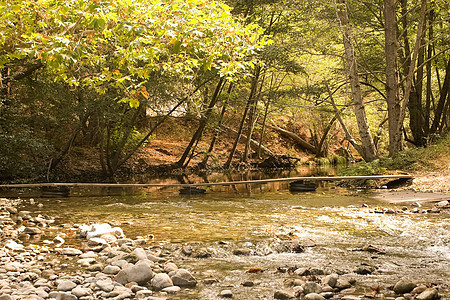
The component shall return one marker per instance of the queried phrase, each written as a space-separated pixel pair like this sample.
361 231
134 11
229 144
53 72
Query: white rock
139 253
66 285
161 281
69 251
171 289
105 285
81 292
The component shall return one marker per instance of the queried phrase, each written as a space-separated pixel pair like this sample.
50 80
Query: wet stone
32 230
404 286
428 294
312 287
69 251
364 270
314 296
171 289
81 292
330 280
105 285
282 294
226 294
248 283
111 270
161 281
183 278
242 251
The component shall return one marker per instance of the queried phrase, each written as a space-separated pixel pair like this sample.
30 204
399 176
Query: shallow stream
331 222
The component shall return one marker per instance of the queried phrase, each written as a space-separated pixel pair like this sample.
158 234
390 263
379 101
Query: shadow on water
332 220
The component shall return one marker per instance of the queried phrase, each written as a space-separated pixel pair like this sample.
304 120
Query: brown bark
203 121
244 117
392 96
253 100
298 140
412 67
369 151
253 144
441 103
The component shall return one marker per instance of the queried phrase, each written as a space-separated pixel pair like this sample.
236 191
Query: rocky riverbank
108 265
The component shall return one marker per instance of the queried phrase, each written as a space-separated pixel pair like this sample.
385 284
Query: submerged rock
404 286
226 294
282 294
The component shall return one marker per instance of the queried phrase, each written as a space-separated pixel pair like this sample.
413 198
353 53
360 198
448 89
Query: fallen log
299 141
253 144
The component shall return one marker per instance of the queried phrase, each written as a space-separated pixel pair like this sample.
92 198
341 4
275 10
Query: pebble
428 294
314 296
66 285
171 289
226 294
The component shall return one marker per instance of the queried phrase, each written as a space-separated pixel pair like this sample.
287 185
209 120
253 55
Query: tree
118 49
368 151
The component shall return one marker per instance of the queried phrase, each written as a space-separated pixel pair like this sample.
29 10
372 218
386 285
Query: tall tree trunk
392 95
348 136
369 151
241 125
412 68
216 131
203 121
429 91
253 99
445 91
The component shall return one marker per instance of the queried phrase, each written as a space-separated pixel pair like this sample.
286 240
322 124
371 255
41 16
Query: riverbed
333 224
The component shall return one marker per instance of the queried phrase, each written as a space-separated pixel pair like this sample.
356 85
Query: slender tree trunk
441 103
263 127
392 96
321 152
369 151
216 131
348 136
241 125
416 117
412 67
253 99
203 121
429 92
126 135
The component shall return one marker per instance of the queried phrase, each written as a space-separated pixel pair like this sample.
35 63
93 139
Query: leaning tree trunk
241 125
204 162
369 151
253 98
203 121
445 91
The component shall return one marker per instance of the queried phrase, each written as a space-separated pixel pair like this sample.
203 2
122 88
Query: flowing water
332 220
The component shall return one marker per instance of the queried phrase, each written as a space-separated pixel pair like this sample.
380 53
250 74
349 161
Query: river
331 222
